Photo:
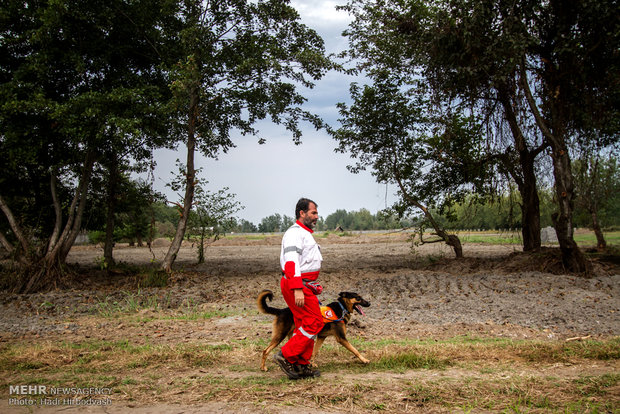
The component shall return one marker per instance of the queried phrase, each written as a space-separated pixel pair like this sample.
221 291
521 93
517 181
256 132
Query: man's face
310 217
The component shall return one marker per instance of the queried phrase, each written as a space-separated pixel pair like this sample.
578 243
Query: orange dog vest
328 314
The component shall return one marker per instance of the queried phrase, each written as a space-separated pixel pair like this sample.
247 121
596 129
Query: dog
283 323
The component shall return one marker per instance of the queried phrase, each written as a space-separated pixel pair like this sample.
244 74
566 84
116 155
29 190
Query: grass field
583 238
466 374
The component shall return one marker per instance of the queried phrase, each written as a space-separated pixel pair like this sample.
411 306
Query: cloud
321 12
323 17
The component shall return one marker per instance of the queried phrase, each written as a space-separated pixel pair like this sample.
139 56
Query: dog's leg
266 352
344 342
278 335
317 345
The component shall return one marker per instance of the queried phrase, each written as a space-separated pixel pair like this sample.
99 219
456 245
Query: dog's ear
345 295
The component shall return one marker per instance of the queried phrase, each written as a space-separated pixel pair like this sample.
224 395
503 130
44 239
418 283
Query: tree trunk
572 257
600 239
108 246
525 178
15 227
530 210
454 241
189 186
451 240
68 241
50 270
201 246
58 211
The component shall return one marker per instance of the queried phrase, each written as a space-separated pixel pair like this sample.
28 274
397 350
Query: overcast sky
270 178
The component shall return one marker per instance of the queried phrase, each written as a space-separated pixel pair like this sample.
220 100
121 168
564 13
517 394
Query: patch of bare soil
496 291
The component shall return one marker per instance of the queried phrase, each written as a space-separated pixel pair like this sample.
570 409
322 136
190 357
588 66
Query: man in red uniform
300 258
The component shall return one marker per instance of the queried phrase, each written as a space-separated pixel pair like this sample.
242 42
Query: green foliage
96 236
81 82
597 181
364 220
245 227
533 71
166 218
275 223
432 157
240 63
212 212
133 210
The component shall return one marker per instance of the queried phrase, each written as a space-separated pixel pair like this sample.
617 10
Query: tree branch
17 230
80 195
536 151
416 203
532 104
82 191
5 243
58 225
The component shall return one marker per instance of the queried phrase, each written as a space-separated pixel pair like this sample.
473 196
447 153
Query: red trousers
308 323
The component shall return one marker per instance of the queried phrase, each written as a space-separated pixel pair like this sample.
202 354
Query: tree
213 215
394 35
287 222
134 210
429 158
241 62
597 184
79 79
339 218
551 56
246 226
270 224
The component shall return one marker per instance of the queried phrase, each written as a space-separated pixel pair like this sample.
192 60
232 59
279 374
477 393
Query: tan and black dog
283 324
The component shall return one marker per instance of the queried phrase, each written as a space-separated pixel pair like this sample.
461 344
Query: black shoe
287 367
306 371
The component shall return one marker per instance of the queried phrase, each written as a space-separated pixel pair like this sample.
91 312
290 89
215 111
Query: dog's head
353 301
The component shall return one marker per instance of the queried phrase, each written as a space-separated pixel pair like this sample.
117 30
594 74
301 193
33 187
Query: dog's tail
261 302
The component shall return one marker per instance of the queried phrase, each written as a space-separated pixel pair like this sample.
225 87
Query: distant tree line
473 213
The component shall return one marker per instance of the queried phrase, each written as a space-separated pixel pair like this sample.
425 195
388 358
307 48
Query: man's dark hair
303 205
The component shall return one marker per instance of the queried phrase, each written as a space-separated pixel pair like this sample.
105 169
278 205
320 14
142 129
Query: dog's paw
364 360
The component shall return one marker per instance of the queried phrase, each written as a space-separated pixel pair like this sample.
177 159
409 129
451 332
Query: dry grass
463 373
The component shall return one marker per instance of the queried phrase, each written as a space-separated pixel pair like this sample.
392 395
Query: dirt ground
415 292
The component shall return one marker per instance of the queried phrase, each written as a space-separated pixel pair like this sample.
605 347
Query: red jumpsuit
301 262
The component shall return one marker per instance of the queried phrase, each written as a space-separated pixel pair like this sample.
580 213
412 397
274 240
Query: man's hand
299 297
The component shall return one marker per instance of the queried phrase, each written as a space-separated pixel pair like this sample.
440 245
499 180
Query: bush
96 236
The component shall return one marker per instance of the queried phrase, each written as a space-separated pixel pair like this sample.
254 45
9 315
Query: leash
313 286
344 312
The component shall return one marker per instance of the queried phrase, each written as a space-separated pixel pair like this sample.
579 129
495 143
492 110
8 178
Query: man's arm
292 254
